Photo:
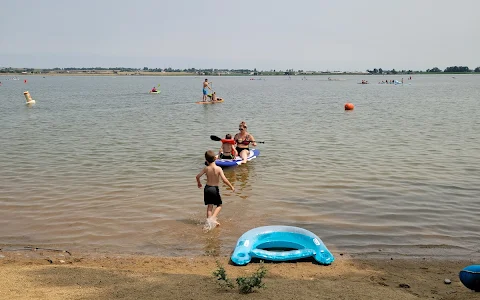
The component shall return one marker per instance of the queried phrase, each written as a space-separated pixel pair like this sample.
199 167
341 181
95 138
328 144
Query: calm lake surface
99 164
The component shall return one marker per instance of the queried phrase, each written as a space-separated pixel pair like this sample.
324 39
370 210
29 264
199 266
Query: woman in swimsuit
243 140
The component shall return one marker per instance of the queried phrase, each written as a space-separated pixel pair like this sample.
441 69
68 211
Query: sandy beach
53 275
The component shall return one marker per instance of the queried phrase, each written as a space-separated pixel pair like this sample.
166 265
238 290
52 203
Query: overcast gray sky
344 35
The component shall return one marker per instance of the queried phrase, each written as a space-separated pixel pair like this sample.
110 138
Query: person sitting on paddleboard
214 97
227 151
154 90
243 140
206 87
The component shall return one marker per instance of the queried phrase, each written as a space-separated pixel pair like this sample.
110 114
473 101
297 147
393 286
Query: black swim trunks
211 195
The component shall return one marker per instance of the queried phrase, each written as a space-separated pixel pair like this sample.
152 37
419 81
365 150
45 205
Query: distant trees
212 71
453 69
382 71
457 69
434 70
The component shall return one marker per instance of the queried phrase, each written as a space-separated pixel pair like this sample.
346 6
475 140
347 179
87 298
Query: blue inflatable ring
263 243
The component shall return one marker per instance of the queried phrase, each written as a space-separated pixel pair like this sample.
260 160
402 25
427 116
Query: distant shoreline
102 74
121 74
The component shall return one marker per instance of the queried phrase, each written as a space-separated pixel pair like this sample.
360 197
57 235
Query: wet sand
52 275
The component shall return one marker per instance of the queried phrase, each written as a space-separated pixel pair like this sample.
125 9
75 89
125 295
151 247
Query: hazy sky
263 34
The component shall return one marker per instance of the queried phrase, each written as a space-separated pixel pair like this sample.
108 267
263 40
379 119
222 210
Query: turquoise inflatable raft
280 243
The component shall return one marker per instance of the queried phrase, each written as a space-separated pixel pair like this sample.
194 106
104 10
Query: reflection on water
238 176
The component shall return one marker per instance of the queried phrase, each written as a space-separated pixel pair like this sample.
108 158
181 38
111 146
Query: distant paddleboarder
206 87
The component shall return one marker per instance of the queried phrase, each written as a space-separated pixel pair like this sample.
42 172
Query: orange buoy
349 106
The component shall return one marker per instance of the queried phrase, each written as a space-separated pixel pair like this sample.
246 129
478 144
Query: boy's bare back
214 173
227 148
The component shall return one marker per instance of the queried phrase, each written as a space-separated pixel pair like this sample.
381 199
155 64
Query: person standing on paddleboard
206 87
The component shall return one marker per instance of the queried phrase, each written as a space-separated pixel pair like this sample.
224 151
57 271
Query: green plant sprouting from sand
222 278
245 285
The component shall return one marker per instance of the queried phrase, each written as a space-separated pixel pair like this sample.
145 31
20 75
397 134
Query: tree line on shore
453 69
212 71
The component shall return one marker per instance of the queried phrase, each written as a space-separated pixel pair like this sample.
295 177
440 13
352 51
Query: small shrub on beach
222 278
245 285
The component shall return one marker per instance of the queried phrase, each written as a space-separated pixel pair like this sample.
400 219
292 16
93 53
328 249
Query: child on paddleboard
214 97
211 192
228 151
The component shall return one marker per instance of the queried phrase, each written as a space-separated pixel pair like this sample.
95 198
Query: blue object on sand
280 243
470 277
238 160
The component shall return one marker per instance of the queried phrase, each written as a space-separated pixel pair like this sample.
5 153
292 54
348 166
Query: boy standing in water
211 192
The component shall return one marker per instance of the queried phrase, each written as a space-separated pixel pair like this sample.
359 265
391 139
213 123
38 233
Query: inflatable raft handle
283 255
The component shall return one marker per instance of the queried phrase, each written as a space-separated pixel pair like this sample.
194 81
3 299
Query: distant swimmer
206 87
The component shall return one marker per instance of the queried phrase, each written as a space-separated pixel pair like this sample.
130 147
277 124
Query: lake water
99 164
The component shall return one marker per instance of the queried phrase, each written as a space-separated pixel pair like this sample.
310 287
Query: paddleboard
210 102
238 160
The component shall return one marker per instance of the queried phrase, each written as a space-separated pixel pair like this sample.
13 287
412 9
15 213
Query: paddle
216 138
211 89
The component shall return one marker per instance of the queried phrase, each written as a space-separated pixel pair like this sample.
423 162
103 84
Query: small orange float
349 106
